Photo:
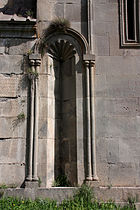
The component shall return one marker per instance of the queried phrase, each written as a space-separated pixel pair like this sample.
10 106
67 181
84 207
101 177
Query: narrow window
130 19
129 22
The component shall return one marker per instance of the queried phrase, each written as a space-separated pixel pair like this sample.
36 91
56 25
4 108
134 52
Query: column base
89 178
92 183
35 179
31 184
95 178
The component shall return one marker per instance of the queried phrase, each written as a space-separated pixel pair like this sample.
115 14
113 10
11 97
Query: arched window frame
129 38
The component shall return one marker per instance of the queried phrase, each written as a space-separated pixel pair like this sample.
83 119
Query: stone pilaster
35 61
88 124
90 120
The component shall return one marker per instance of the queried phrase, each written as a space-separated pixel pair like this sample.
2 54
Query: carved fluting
61 50
33 139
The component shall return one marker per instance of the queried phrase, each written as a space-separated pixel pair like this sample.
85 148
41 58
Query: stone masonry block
11 64
12 128
8 86
117 106
12 151
12 174
116 126
117 65
20 46
13 107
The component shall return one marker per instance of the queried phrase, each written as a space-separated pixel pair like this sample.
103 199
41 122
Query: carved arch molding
74 76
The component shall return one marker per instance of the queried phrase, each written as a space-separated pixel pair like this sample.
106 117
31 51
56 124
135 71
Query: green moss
32 74
21 116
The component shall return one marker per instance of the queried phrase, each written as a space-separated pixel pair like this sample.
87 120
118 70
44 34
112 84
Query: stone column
92 107
90 118
35 61
36 105
29 175
88 124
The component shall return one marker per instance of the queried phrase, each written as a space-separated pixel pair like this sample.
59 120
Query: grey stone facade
73 110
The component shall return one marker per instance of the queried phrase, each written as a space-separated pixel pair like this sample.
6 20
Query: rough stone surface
62 103
119 194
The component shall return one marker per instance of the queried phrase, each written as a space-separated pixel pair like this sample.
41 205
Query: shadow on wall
22 8
84 15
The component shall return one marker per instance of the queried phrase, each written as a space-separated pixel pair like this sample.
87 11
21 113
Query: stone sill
118 194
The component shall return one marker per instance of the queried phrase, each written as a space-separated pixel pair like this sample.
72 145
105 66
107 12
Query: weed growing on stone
21 116
32 74
61 181
3 186
82 200
57 25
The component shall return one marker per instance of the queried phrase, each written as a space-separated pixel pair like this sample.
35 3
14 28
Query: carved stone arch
73 36
69 89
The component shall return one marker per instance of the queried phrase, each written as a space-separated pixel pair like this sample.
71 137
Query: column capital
92 63
38 62
32 62
86 63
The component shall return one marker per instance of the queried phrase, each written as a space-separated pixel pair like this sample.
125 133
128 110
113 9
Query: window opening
130 20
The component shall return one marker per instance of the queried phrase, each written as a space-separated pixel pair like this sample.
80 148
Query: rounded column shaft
92 107
29 176
88 123
36 105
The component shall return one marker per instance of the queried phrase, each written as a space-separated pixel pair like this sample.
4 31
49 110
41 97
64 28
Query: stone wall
117 100
13 109
74 10
117 97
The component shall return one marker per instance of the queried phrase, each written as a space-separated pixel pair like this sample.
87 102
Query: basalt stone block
8 86
12 174
50 162
112 65
20 46
43 86
113 126
117 106
42 151
126 174
12 151
12 128
44 6
13 107
102 45
11 64
73 12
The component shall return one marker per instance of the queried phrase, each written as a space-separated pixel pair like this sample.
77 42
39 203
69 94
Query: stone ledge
117 194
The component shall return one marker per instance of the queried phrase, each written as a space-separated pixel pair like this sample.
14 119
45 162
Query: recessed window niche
129 23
